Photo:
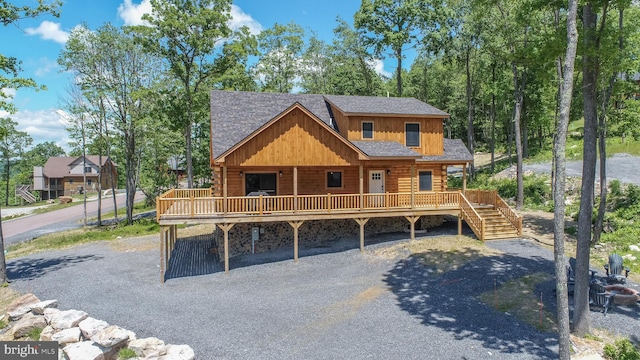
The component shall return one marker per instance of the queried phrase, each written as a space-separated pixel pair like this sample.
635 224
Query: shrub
621 350
126 353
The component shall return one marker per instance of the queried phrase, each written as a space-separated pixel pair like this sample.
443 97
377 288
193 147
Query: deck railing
193 203
509 213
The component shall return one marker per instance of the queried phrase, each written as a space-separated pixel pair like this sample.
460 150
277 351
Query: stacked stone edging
279 235
80 336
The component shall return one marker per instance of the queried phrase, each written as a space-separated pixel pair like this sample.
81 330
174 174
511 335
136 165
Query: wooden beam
162 234
295 225
413 185
460 223
361 185
464 178
225 187
225 228
295 188
361 222
412 220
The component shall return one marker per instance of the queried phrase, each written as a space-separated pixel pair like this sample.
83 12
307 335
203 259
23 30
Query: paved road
32 226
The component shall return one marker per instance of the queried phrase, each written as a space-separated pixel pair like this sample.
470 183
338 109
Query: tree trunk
518 98
602 137
399 72
559 157
470 113
581 319
3 261
492 141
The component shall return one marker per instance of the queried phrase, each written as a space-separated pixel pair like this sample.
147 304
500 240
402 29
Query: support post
412 220
295 225
225 228
361 222
224 188
464 178
413 186
295 188
361 186
460 223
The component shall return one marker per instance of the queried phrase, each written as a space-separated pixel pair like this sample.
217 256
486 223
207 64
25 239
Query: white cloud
49 31
45 66
43 125
132 13
239 19
8 94
378 66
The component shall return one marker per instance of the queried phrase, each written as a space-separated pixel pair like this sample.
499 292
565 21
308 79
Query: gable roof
383 105
58 166
237 114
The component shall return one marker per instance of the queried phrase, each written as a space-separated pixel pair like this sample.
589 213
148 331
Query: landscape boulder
21 306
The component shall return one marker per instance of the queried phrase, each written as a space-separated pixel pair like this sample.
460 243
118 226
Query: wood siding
294 140
313 180
388 128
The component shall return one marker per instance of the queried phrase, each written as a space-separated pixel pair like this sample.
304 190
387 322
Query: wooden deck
488 215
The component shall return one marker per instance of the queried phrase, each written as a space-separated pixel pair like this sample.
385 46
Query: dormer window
412 134
367 130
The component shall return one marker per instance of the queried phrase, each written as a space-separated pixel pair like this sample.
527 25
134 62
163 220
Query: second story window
367 130
412 134
87 169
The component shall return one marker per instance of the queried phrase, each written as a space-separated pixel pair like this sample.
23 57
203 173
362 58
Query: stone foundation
279 235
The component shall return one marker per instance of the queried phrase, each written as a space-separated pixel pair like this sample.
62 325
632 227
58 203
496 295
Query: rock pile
80 336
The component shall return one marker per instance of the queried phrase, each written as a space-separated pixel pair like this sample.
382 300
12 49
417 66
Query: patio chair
614 270
599 297
571 275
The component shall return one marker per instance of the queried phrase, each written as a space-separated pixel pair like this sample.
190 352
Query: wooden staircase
489 216
496 225
23 192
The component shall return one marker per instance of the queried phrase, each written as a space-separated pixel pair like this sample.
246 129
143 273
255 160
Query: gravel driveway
333 305
619 166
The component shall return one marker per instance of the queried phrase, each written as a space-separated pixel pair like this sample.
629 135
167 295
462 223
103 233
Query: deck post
361 222
224 188
464 177
225 228
460 223
295 188
412 220
413 190
163 232
295 225
361 185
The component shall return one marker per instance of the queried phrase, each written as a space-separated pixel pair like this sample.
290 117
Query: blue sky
37 43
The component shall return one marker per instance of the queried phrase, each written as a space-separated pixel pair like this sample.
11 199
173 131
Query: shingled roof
385 149
235 115
383 105
454 151
58 167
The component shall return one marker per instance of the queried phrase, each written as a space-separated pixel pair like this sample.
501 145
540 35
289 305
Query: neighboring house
297 158
63 176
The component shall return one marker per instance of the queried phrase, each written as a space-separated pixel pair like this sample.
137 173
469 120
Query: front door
376 186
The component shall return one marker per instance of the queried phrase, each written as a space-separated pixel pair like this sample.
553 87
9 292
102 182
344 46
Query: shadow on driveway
27 269
451 301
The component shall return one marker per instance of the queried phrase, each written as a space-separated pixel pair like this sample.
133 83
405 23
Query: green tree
281 55
391 24
186 35
13 143
559 147
36 156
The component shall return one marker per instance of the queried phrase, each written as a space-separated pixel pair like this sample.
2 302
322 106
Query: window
425 182
89 182
87 169
260 183
70 181
334 179
412 134
367 130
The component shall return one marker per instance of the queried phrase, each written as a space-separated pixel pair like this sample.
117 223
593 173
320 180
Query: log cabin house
292 167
